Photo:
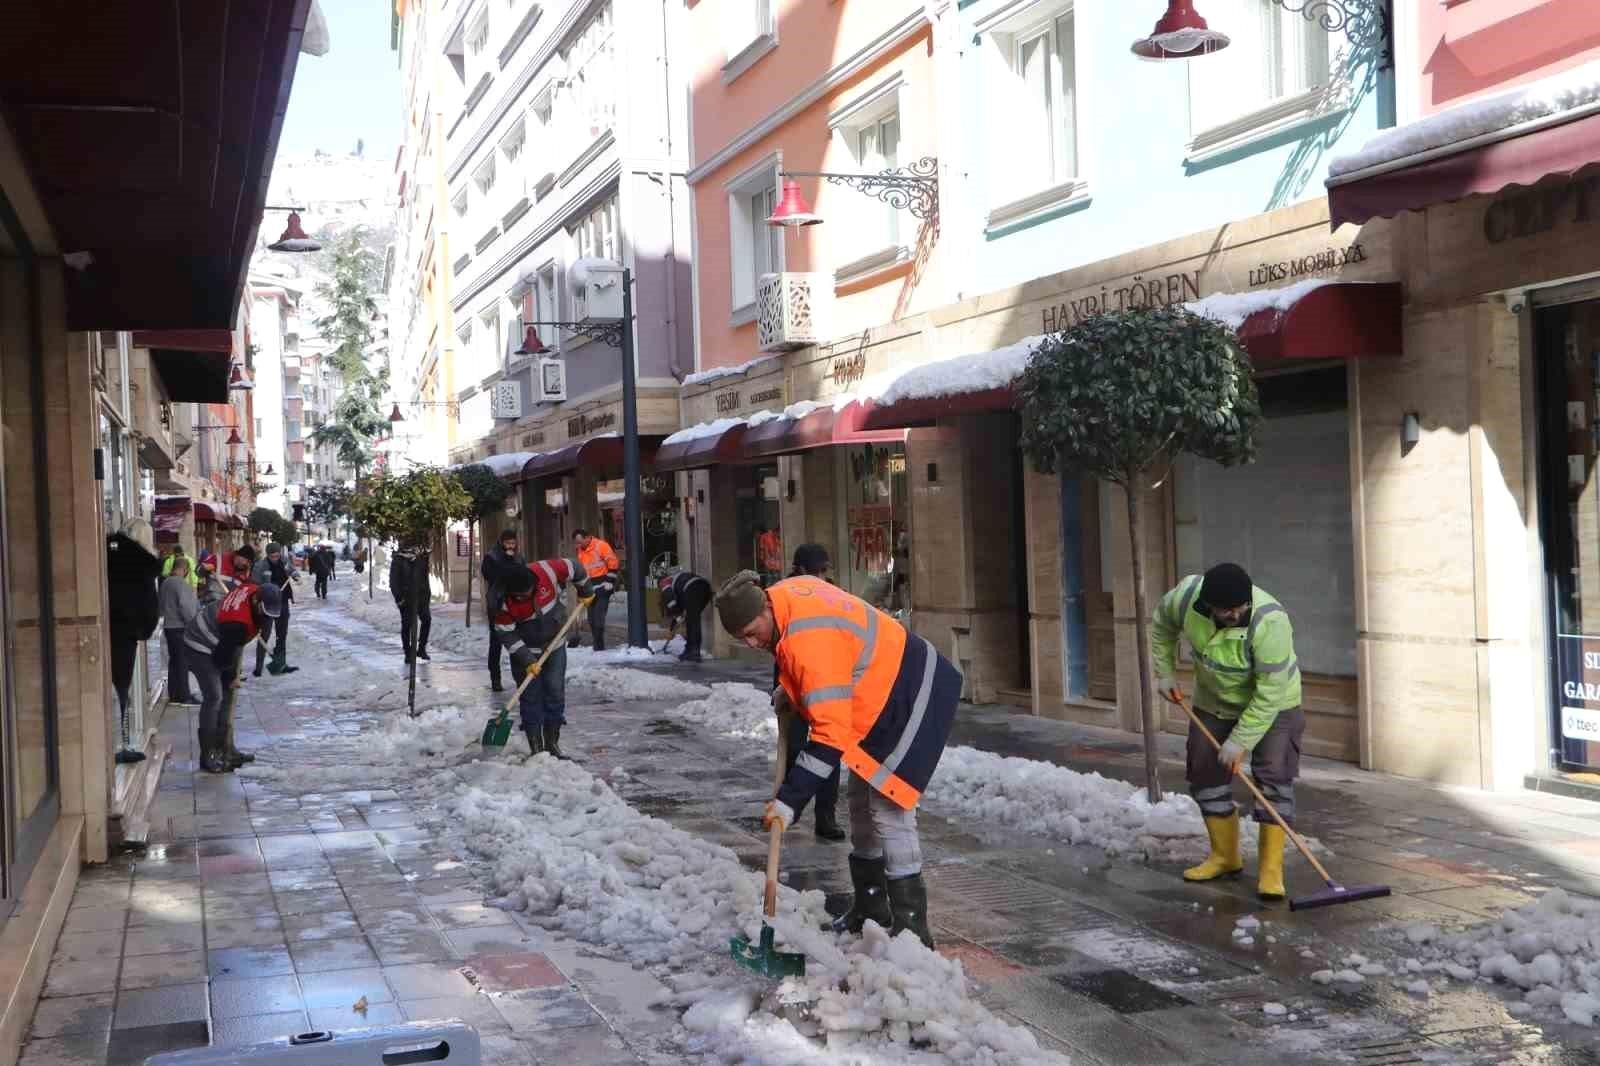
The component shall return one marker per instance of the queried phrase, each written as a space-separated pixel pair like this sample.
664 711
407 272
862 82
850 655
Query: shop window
1297 545
757 526
876 544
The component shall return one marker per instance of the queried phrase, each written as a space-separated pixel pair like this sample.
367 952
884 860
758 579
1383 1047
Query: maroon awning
928 410
170 511
1443 176
596 451
203 512
193 363
1342 320
709 450
820 428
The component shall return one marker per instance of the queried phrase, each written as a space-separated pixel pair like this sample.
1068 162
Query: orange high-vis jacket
598 559
838 658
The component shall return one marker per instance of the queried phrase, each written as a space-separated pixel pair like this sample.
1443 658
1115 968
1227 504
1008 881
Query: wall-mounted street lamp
294 239
1182 33
913 188
233 433
607 333
239 379
451 408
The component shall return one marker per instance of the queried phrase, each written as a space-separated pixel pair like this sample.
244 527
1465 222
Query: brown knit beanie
740 601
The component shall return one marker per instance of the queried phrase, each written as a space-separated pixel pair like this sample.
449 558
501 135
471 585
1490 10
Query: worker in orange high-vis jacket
879 700
600 563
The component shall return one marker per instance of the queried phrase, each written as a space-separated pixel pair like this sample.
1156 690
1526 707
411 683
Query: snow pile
703 429
733 709
717 373
567 851
1542 99
433 740
1040 797
1550 949
1232 308
978 372
619 683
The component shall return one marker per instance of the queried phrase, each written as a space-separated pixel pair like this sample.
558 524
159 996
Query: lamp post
618 334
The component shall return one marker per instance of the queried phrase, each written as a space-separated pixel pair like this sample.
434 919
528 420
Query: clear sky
352 92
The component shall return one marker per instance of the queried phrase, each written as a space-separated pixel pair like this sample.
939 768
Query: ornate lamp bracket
914 187
1368 24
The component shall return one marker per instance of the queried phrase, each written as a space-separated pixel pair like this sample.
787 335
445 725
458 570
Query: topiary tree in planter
1119 397
488 492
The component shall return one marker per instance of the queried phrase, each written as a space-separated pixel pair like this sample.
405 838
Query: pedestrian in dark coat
321 567
132 569
408 584
276 570
497 562
686 595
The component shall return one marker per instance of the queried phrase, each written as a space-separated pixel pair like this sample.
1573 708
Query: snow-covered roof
703 429
1232 308
719 372
1558 98
975 372
504 465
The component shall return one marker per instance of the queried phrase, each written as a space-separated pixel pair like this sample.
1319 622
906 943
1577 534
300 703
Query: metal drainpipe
672 206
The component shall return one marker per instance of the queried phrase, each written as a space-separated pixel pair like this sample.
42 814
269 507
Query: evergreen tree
358 417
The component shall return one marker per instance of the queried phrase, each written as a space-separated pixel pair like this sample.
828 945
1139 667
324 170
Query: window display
757 523
877 534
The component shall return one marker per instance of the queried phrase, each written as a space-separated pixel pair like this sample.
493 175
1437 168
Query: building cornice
905 27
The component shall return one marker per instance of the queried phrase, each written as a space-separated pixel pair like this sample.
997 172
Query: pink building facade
1464 49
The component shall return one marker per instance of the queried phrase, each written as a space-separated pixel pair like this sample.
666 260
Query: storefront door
875 544
1568 357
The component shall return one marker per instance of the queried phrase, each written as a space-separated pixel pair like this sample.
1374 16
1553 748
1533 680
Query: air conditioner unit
596 290
551 382
793 310
505 399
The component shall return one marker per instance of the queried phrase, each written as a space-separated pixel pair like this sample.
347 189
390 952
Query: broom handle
769 903
527 678
1256 792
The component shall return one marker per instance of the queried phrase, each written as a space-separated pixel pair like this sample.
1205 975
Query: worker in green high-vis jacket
1247 691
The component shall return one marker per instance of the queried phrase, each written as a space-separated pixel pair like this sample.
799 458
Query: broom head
1335 894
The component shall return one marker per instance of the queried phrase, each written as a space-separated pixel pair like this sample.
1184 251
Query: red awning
1443 175
1343 320
928 410
709 450
596 451
820 428
193 363
203 512
170 511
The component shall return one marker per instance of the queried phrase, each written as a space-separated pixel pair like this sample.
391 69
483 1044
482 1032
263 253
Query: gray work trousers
880 829
210 682
1274 763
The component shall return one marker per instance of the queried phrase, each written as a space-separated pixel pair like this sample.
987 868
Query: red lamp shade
294 238
792 210
531 344
1180 34
267 471
395 415
233 436
239 380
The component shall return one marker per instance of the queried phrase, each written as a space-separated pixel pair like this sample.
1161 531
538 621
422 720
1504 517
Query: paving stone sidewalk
262 911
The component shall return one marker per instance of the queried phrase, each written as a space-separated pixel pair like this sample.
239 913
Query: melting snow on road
1549 949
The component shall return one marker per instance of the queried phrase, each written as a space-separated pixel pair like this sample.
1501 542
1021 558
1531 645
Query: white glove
1231 756
777 811
1166 687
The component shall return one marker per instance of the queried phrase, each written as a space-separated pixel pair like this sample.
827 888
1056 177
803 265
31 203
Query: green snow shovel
497 730
764 958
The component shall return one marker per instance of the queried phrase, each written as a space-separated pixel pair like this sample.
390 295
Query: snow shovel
672 631
497 730
764 958
1334 893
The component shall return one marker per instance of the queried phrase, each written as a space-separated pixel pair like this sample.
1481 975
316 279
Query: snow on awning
816 424
1316 319
603 451
969 384
705 444
717 373
509 465
1550 127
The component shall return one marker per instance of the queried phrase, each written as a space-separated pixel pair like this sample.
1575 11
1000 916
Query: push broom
497 730
1333 893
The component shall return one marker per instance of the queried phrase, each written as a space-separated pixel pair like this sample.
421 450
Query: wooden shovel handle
527 678
1256 792
769 904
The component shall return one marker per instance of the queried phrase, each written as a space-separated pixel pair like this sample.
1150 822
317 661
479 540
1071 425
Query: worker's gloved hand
1169 689
777 811
584 601
533 669
1231 757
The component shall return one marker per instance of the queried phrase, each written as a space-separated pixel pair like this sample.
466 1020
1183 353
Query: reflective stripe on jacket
541 607
598 560
865 686
1247 672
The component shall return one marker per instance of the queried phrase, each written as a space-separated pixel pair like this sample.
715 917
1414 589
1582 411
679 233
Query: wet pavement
262 910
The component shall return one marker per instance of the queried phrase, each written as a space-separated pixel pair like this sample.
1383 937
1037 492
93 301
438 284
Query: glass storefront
658 515
1568 356
756 520
876 536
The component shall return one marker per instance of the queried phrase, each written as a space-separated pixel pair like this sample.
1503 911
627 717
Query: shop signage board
1578 693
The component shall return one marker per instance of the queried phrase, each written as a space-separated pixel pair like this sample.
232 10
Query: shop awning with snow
979 383
811 424
702 445
1547 129
508 465
595 452
193 363
1317 319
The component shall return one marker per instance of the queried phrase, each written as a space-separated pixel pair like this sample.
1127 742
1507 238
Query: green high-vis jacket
1248 672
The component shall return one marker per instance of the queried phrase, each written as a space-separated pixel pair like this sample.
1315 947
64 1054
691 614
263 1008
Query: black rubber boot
552 741
495 686
422 653
214 753
871 900
908 900
237 758
828 827
535 741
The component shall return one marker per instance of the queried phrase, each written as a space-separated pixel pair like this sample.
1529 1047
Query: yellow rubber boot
1270 883
1224 859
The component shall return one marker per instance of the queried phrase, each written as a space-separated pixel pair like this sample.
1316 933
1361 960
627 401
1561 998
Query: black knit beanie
1226 585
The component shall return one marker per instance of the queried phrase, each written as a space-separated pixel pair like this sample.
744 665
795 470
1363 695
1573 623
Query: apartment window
589 97
459 204
755 248
869 133
487 342
1042 62
596 232
483 179
259 430
478 45
748 34
544 301
1278 71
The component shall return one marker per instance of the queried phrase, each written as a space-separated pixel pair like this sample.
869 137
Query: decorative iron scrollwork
1367 23
605 332
914 187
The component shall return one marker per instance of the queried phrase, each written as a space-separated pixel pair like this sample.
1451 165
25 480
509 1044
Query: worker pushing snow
1247 691
879 700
